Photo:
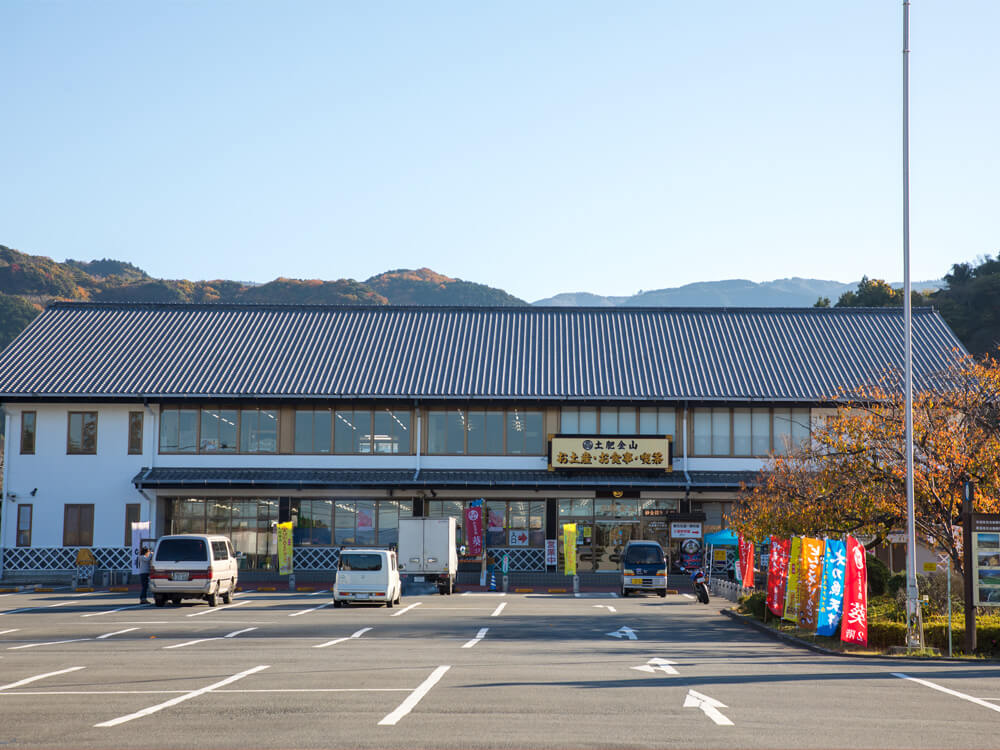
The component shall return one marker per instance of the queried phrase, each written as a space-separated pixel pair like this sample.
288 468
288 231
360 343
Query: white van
193 566
367 574
643 567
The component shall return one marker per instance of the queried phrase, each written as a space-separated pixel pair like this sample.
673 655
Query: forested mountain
968 297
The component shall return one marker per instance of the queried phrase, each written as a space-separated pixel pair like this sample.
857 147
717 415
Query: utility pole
968 495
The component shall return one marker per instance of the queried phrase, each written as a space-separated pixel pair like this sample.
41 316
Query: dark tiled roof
164 478
661 354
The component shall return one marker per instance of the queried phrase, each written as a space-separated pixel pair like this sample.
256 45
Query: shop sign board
986 559
611 452
551 553
518 538
685 530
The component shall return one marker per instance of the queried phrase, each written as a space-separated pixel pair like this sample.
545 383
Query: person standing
144 557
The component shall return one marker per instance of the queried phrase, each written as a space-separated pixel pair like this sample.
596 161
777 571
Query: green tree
871 293
15 314
970 304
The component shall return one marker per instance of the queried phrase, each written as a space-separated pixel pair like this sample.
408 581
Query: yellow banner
609 452
285 548
792 586
810 581
569 548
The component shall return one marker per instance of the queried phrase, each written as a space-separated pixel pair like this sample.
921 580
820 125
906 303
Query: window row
81 432
748 432
479 432
617 420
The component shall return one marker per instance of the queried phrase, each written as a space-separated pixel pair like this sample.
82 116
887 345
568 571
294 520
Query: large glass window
24 513
515 523
179 430
82 432
712 432
28 420
313 430
760 427
352 432
720 432
656 421
791 429
485 433
392 431
480 432
614 420
524 433
312 522
389 513
259 431
218 430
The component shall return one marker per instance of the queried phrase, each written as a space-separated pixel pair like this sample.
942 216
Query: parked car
193 566
644 568
367 574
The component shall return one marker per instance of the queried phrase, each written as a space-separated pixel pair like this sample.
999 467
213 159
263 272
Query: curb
795 641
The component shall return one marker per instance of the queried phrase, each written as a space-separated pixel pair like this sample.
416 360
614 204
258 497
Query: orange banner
810 581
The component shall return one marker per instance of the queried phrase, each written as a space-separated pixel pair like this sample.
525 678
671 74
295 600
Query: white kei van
193 566
367 574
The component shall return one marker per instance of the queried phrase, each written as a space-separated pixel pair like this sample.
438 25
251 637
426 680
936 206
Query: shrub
755 604
896 583
878 576
884 634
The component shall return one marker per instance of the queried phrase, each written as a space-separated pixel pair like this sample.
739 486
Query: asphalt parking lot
286 669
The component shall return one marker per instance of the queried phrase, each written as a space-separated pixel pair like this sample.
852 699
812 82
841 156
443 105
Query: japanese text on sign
610 452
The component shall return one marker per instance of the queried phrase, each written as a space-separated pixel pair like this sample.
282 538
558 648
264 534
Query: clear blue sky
539 147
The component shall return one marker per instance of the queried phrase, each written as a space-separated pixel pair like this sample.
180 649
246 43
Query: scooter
700 587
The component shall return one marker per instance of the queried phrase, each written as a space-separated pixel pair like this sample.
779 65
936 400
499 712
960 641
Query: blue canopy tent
723 538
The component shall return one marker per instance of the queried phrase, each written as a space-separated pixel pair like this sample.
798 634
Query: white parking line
313 609
47 643
176 692
180 698
934 686
12 630
111 611
414 698
341 640
317 593
213 638
29 609
27 680
482 593
499 609
689 596
404 610
117 632
479 636
219 609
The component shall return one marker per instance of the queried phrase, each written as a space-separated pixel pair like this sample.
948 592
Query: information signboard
986 559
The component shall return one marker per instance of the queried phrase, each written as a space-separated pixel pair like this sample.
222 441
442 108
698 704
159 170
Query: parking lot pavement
476 670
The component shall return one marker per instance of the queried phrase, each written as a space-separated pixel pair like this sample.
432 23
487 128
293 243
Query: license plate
637 581
179 576
418 579
361 596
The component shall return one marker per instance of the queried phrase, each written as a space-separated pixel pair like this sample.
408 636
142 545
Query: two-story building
231 418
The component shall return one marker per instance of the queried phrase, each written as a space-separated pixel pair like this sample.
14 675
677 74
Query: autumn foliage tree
851 478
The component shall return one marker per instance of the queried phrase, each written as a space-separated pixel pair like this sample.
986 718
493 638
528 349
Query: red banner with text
777 574
854 624
474 530
747 552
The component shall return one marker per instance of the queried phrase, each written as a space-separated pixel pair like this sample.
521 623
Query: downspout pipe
416 474
684 438
5 415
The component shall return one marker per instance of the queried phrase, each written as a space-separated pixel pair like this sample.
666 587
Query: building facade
632 423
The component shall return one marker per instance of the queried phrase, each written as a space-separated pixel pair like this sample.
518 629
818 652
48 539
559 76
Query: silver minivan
193 566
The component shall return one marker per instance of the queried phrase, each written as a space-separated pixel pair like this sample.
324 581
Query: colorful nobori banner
569 548
474 529
792 581
284 548
831 597
855 626
777 575
810 580
748 552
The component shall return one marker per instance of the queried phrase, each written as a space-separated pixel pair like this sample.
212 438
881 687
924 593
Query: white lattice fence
63 559
316 558
521 558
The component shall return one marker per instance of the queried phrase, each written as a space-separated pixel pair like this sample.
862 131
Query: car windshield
644 554
361 562
181 550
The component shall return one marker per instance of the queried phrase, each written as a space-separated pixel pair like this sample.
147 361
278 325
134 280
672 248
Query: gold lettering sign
611 452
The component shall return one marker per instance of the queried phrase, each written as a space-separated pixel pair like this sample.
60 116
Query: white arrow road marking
117 632
219 609
404 610
341 640
313 609
180 698
414 698
709 706
624 632
605 606
657 664
499 609
933 686
479 636
27 680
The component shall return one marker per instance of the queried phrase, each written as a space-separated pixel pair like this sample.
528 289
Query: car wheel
624 592
662 593
212 599
227 598
176 600
388 603
159 600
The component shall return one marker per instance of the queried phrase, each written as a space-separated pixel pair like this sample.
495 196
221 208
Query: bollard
506 580
104 578
576 584
291 582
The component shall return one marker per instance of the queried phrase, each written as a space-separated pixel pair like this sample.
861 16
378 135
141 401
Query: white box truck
427 552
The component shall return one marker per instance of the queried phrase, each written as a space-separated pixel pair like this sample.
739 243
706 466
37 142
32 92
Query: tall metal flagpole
914 635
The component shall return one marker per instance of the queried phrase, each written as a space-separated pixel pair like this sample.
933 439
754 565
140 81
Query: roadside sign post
970 605
505 567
